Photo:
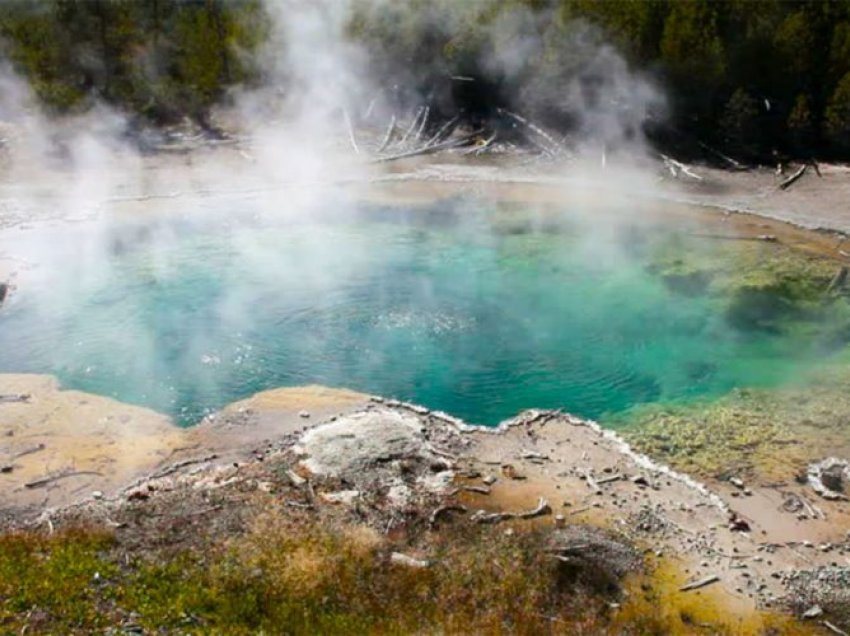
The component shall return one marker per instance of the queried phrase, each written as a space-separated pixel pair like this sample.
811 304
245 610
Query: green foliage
740 123
838 115
294 578
168 58
163 58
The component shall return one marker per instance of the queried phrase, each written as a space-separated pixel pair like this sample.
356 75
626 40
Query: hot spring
473 307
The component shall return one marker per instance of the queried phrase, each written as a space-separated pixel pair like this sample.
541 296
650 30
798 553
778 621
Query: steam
292 162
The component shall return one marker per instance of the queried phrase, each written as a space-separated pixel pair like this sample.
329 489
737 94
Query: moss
767 433
59 581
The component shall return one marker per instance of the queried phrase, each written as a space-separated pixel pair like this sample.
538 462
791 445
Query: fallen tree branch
675 167
424 123
388 136
28 451
350 129
452 143
12 398
790 180
412 126
442 510
555 148
444 131
770 238
541 509
732 162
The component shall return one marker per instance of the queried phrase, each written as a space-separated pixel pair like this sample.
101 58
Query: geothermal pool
477 310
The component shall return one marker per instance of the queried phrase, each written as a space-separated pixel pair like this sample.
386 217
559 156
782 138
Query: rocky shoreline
739 549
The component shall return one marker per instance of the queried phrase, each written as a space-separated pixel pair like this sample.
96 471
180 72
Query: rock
97 494
346 497
304 414
813 612
735 481
489 480
403 559
828 478
4 291
510 472
296 479
7 468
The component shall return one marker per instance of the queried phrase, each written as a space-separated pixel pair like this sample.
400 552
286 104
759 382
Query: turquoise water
458 308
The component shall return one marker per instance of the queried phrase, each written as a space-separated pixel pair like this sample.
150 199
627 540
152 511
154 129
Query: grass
297 577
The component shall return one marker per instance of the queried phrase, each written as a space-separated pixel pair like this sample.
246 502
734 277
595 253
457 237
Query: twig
608 480
28 451
11 398
713 578
44 481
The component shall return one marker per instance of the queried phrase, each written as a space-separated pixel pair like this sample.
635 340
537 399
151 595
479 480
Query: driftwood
676 167
542 508
388 136
29 451
790 180
442 510
709 580
13 397
412 126
451 143
608 480
769 238
554 147
732 162
49 479
834 629
444 131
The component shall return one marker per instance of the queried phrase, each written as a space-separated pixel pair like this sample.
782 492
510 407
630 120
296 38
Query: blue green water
454 308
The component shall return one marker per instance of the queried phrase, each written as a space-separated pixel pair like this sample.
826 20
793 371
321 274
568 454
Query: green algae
766 433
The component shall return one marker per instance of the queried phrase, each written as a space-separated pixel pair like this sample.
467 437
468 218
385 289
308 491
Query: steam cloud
293 148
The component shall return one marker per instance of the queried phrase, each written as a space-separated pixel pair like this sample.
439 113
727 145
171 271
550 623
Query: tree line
756 78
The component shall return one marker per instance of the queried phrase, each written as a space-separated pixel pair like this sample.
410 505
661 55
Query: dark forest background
756 78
